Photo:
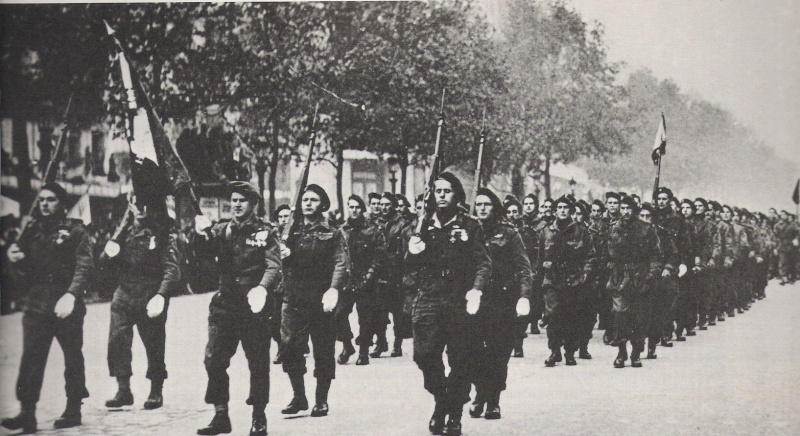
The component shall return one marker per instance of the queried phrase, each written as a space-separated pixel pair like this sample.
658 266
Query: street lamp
393 167
572 184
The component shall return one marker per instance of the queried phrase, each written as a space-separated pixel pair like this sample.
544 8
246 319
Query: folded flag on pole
796 195
660 145
157 170
82 210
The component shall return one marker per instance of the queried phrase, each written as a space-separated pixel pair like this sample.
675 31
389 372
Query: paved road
740 377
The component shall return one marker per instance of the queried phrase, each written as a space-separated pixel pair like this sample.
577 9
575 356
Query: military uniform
452 262
149 265
390 282
635 262
786 232
248 255
317 261
366 245
510 280
703 279
668 226
529 227
58 260
566 260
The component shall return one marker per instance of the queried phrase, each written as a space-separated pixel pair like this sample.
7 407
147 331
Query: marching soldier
687 307
528 229
665 298
566 260
508 295
452 269
635 263
315 268
390 278
786 232
147 256
54 260
248 254
598 229
703 280
374 206
366 246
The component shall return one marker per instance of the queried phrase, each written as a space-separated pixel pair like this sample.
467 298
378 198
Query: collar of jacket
358 222
319 222
567 223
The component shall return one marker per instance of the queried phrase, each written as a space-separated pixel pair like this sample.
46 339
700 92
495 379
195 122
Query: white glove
665 273
523 307
473 301
329 299
15 254
751 255
155 306
201 224
759 259
682 270
65 305
796 242
112 249
285 251
416 245
257 298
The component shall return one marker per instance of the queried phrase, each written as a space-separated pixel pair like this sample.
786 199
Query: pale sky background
741 54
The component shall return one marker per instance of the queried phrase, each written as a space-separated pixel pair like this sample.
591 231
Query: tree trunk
546 173
23 169
273 169
339 170
518 181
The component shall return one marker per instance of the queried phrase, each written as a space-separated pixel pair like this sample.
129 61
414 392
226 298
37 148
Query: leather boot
220 424
690 332
398 348
493 407
363 355
299 401
636 361
321 405
436 424
622 356
665 342
554 358
71 416
569 358
124 396
651 350
453 427
607 337
347 351
583 353
259 424
156 398
380 346
518 352
26 420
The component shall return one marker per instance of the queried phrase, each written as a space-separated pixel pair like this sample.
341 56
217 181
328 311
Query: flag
156 168
796 195
660 144
82 210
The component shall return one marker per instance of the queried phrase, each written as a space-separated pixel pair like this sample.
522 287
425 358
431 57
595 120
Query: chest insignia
258 239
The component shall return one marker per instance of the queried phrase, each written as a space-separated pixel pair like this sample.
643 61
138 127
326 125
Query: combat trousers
631 315
230 321
786 263
496 335
687 306
127 312
663 304
440 324
370 318
38 331
298 323
343 310
587 314
704 291
563 314
729 290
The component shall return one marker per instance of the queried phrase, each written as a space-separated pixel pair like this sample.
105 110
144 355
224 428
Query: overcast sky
741 54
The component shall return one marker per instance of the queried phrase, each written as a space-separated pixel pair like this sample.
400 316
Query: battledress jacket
366 246
58 259
511 270
634 260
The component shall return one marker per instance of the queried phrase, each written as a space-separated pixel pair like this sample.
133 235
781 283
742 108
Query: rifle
479 164
297 214
50 172
429 204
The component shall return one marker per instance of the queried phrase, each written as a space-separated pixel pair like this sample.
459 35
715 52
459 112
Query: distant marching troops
649 273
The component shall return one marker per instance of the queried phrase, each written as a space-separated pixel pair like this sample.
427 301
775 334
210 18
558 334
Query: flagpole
658 176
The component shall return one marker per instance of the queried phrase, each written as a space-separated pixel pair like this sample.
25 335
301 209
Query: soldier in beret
148 260
53 258
248 255
635 262
315 266
566 260
452 268
508 295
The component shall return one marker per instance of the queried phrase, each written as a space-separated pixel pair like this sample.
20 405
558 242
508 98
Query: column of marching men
648 274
